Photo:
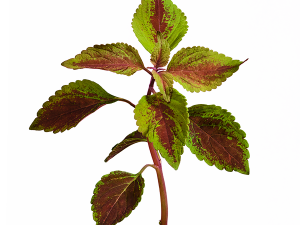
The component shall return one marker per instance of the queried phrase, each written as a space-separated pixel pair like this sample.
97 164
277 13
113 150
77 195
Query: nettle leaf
70 105
215 138
119 58
164 82
130 139
161 53
159 15
165 124
200 69
115 196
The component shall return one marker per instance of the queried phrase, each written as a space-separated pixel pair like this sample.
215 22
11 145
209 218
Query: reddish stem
159 173
161 184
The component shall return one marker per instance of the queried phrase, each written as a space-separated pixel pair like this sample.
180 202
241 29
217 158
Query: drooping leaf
200 69
159 15
164 82
165 124
215 138
70 105
130 139
119 58
115 196
161 52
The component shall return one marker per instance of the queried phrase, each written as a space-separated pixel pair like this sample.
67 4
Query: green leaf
215 138
164 82
70 105
130 139
119 58
161 52
115 196
159 15
165 124
200 69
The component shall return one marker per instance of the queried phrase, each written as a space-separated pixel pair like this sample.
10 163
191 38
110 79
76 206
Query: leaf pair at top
159 25
196 69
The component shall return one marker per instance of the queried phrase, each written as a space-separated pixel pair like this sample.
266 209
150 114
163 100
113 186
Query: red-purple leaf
119 58
215 138
130 139
70 105
200 69
115 196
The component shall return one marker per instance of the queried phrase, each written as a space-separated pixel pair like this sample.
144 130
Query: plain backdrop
51 177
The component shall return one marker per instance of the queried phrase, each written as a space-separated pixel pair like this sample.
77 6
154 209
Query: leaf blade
164 81
165 124
119 58
130 139
161 52
201 69
215 138
116 195
70 105
159 15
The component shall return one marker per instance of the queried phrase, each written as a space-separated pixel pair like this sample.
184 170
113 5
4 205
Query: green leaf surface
161 52
119 58
165 124
200 69
115 196
215 138
130 139
70 105
159 15
164 82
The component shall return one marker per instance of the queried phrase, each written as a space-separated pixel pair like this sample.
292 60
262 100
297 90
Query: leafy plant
163 119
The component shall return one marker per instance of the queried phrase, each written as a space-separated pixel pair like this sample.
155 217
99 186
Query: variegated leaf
115 196
164 124
159 15
70 105
161 52
164 81
215 138
200 69
130 139
119 58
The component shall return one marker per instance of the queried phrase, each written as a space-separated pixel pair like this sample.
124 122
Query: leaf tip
70 64
244 61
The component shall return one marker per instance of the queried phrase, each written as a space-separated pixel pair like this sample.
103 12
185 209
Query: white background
51 178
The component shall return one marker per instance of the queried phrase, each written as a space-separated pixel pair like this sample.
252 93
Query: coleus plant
163 119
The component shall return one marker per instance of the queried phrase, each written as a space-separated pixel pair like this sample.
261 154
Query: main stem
160 175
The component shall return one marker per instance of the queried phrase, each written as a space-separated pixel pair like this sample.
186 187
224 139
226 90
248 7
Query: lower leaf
115 196
215 138
130 139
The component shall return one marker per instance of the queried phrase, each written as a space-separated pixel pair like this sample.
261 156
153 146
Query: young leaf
70 105
119 58
200 69
215 138
115 196
165 124
130 139
159 15
161 52
164 82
